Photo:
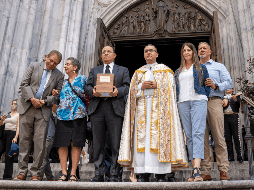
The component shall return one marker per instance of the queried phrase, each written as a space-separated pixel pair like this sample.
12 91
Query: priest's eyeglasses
107 52
150 50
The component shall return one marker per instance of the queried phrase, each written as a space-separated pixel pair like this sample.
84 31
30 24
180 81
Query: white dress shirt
186 87
110 67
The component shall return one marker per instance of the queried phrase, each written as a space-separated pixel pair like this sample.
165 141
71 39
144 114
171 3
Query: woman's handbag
82 99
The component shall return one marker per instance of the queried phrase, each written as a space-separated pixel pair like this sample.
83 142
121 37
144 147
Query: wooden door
103 39
215 39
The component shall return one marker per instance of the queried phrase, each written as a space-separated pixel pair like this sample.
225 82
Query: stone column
6 48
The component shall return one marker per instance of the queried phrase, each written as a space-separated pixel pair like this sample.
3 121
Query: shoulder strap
75 91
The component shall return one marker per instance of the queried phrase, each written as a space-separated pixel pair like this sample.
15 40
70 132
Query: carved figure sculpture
161 15
125 25
116 29
198 18
142 23
131 25
136 24
147 23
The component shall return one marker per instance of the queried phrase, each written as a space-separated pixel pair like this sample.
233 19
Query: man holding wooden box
106 110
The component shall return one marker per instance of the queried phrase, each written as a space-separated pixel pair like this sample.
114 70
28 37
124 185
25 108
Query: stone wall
29 29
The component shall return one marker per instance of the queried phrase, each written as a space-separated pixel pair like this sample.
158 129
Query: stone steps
45 185
86 171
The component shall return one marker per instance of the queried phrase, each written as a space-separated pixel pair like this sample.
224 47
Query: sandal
191 179
63 177
73 180
197 176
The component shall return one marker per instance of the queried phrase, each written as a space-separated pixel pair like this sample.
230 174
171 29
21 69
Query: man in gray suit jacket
34 107
107 114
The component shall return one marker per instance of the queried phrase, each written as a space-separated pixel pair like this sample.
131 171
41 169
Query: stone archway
117 7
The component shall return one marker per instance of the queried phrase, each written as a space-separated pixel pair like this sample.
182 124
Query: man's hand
209 82
115 92
54 92
224 102
96 94
42 102
36 102
149 84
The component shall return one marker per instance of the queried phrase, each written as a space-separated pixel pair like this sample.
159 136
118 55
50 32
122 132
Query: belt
213 98
105 98
230 112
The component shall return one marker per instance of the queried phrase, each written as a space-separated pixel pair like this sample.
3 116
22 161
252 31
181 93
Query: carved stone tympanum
160 17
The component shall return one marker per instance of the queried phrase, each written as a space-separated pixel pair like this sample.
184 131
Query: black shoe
160 177
240 159
171 179
143 177
98 178
114 178
231 159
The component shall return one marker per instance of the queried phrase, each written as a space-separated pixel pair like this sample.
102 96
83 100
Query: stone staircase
238 171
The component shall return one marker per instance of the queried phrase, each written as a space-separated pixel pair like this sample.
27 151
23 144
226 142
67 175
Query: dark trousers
231 129
102 120
5 146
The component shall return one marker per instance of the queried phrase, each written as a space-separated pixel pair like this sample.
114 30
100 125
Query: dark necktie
107 69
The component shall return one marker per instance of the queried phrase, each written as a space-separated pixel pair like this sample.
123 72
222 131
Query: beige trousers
215 121
32 127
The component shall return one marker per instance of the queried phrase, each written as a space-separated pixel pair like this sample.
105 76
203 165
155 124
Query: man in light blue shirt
219 80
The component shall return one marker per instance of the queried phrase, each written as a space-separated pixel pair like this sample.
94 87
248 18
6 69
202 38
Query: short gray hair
204 43
75 62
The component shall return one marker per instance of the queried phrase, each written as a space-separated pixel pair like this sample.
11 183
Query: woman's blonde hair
195 61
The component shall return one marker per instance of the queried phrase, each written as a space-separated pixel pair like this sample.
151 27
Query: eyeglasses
150 50
108 52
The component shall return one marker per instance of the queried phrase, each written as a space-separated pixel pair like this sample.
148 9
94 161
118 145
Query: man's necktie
39 93
107 69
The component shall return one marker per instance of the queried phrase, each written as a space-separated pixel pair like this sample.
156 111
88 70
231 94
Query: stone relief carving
161 17
161 14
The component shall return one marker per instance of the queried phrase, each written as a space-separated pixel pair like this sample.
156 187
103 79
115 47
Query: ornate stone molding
104 3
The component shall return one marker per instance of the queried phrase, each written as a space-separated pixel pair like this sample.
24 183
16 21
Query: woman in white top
10 134
192 104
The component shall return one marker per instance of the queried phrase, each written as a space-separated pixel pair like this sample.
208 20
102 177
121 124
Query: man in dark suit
34 106
107 114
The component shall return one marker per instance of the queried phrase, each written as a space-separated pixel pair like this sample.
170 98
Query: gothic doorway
131 53
167 24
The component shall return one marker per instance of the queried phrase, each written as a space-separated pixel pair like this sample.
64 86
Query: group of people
145 134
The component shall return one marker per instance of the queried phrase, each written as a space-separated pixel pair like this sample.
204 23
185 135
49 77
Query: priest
152 137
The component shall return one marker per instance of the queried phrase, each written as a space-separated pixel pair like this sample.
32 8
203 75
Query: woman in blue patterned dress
71 118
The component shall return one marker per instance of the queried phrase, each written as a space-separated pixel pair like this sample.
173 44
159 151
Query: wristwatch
216 87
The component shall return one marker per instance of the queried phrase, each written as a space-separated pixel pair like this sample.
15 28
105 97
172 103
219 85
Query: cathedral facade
30 29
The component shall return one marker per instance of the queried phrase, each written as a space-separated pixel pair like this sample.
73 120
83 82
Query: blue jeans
193 117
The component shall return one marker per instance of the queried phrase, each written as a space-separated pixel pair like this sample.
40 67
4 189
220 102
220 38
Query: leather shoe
224 176
231 159
240 160
160 177
19 177
206 177
36 178
53 179
114 178
98 178
143 177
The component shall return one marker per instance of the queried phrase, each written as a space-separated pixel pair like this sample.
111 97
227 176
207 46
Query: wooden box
105 83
